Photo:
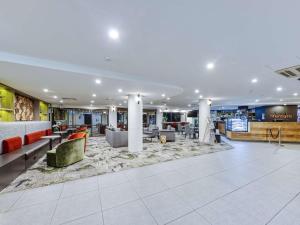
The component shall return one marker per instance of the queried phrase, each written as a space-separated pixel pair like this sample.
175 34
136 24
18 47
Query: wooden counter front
258 131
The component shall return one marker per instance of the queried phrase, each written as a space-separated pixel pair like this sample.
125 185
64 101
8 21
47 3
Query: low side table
51 138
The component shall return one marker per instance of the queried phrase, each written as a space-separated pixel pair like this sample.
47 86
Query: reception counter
265 131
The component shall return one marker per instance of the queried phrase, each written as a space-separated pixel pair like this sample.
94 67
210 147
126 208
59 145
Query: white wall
13 129
112 117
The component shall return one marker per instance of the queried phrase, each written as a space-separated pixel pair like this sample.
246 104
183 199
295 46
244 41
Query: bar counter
260 131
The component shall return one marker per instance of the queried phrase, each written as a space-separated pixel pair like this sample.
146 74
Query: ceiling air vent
290 72
69 99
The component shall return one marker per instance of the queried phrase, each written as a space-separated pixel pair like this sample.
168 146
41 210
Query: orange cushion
77 135
49 132
33 137
11 144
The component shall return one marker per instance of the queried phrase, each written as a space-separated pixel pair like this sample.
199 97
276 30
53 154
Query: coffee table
51 138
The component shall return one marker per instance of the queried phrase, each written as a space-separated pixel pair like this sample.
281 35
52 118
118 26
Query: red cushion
33 137
63 127
11 144
49 132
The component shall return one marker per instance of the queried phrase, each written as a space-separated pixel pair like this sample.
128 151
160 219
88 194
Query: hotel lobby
149 113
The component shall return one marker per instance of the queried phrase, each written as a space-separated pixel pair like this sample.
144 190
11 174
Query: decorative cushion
11 144
79 135
34 137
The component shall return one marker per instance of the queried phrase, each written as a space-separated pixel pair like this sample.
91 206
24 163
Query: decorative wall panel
23 108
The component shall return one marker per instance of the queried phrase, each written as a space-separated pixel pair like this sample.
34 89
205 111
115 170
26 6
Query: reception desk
260 131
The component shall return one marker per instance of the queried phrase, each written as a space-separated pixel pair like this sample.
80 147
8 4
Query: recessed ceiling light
279 88
281 100
120 104
120 90
210 66
94 95
125 102
189 105
61 101
151 103
284 104
295 94
46 90
98 81
254 80
113 34
92 101
200 96
196 91
55 96
257 100
163 95
168 99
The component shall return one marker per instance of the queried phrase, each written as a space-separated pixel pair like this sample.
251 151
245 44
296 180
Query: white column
159 118
204 115
112 116
135 123
183 117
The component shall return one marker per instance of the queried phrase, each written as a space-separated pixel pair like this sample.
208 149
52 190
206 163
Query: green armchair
66 153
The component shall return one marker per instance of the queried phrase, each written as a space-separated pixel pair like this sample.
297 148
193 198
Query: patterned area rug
101 158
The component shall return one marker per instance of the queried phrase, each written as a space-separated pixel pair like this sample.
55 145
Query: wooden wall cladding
290 132
23 108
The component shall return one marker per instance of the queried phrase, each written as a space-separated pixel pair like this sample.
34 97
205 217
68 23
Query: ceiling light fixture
113 34
254 80
168 99
55 97
46 90
98 81
151 103
189 105
295 94
94 95
196 91
281 100
120 104
92 101
120 90
163 95
257 100
61 101
200 96
279 88
210 66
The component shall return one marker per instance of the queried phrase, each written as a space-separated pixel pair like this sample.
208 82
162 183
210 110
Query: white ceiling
163 48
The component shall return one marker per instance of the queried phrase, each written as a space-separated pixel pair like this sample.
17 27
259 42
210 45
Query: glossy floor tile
252 184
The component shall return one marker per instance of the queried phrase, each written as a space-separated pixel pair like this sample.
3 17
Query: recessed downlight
55 97
210 66
120 104
254 80
257 100
113 34
168 99
281 100
61 101
94 95
196 91
120 90
189 105
98 81
151 103
279 89
46 90
163 95
200 96
295 94
92 101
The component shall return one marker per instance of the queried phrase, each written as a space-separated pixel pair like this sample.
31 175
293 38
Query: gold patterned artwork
23 108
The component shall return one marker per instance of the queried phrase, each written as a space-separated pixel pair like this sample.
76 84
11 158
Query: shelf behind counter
260 131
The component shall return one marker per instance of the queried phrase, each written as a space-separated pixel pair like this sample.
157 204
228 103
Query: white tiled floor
253 184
